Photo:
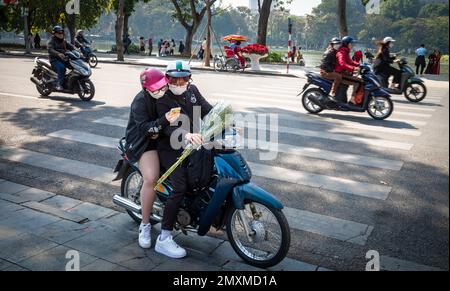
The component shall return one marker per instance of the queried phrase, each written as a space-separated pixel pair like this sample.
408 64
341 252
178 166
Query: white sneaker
169 248
145 236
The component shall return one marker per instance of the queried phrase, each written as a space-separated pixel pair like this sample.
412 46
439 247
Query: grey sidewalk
38 228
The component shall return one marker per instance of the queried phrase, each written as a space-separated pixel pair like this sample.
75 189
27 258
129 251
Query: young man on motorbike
81 42
142 133
182 94
57 47
347 67
328 66
383 61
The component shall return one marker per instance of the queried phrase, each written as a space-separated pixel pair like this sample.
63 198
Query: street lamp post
25 30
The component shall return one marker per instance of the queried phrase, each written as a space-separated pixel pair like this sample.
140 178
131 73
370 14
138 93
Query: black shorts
152 146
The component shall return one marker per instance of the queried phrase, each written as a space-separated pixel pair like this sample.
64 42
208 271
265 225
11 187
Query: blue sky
298 7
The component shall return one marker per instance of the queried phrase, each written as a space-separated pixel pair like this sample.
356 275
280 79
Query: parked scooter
411 86
76 81
255 224
377 101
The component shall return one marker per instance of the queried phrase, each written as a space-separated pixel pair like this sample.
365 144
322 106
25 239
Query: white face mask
178 90
158 95
391 45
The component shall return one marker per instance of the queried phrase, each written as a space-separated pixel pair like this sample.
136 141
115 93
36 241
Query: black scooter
411 86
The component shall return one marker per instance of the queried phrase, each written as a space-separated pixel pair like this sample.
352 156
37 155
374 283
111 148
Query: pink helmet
153 80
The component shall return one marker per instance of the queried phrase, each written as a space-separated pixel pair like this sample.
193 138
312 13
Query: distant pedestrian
293 54
142 45
421 62
30 39
434 65
160 44
126 43
181 48
150 46
37 41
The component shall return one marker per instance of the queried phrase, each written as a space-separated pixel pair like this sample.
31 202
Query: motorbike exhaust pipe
127 204
36 81
133 207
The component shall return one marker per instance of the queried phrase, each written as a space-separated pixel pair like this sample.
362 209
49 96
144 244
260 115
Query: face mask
391 45
158 95
178 90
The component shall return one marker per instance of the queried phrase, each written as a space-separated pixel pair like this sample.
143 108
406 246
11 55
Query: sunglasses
174 81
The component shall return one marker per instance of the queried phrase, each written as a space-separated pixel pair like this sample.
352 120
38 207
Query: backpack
200 168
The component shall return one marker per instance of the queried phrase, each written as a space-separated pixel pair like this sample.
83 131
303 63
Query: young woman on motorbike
347 67
182 94
142 133
383 61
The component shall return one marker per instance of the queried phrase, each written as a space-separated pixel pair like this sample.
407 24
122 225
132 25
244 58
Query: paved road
350 184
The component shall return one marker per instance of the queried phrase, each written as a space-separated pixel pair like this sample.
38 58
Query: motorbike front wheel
218 65
380 108
415 92
86 91
270 236
92 61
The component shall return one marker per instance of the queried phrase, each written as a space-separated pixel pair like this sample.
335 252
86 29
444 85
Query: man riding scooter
82 43
57 47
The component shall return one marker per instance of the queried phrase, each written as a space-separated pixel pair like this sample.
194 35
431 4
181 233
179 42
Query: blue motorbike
377 101
253 219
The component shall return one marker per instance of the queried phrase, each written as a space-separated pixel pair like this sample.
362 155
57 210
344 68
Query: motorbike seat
316 76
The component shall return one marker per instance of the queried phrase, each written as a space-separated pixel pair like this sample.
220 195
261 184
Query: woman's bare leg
149 167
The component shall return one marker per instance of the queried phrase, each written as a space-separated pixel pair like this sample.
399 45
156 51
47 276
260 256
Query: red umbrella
235 37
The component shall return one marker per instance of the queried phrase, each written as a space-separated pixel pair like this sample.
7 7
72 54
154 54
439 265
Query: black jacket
80 41
329 60
142 125
188 101
383 60
56 46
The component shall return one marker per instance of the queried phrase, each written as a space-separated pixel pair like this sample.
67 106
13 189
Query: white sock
165 234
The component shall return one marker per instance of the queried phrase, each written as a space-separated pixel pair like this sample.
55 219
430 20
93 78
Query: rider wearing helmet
383 61
185 96
142 133
346 66
328 65
57 47
81 42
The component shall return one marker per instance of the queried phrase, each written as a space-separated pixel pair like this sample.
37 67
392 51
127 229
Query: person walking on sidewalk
421 62
143 130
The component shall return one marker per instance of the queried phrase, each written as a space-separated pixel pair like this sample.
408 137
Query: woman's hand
194 138
172 116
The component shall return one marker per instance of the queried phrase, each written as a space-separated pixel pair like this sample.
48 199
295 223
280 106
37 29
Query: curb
262 73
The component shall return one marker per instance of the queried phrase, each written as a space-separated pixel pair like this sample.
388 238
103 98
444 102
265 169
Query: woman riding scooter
142 133
382 64
347 67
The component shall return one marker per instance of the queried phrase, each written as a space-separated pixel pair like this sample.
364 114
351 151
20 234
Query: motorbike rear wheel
309 105
87 90
270 233
415 92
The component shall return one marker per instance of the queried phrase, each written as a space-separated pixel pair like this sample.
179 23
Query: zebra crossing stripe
295 131
281 174
284 148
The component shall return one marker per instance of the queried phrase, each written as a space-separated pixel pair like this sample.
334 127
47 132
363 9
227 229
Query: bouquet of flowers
257 49
220 118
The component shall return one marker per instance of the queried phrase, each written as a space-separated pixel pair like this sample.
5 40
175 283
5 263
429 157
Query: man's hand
194 138
61 56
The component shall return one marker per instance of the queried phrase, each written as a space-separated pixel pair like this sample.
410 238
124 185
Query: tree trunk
263 21
208 37
119 30
71 18
126 28
189 37
342 18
